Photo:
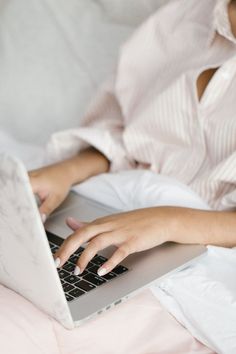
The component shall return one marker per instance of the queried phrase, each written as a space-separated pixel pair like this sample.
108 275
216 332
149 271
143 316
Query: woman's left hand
130 232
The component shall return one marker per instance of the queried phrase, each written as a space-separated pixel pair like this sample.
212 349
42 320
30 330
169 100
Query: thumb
74 224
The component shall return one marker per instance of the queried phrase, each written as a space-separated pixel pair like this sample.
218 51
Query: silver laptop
27 265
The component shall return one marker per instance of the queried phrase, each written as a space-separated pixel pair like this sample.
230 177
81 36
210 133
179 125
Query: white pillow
203 298
53 56
131 12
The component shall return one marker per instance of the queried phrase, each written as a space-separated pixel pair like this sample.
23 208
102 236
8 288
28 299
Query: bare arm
87 163
204 227
52 183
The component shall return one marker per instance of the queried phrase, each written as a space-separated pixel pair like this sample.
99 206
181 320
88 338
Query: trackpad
79 208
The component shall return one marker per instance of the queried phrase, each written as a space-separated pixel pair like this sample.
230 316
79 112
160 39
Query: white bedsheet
133 189
201 297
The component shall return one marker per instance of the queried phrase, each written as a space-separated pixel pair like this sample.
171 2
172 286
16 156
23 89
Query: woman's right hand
51 184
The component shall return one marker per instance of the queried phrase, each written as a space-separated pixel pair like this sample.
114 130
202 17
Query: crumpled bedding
139 326
202 297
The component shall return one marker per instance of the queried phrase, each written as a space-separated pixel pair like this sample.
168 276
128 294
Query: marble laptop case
26 262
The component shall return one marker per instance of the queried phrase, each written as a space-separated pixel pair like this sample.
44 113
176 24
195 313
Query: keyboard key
109 276
99 260
85 272
67 287
94 279
89 265
76 292
94 269
53 246
69 267
63 273
73 259
84 285
79 251
68 297
71 279
119 269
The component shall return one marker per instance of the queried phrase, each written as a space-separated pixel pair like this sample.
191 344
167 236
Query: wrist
179 222
195 226
86 164
166 220
173 225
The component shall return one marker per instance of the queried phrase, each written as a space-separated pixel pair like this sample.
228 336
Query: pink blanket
139 326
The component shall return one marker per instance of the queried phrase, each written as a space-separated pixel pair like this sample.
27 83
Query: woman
170 108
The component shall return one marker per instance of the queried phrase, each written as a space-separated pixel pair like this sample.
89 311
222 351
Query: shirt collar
222 23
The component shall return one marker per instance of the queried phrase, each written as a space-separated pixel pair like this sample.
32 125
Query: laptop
27 264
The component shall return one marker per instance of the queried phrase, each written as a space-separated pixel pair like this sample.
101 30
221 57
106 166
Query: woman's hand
51 185
142 229
130 232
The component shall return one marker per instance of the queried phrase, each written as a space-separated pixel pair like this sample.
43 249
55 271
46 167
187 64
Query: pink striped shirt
148 114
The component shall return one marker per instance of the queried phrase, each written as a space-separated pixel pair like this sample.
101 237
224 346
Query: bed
53 56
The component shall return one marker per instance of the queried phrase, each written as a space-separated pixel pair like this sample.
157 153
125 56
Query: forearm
87 163
203 227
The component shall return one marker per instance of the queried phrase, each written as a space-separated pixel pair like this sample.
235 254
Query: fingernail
77 270
43 218
102 271
74 221
57 262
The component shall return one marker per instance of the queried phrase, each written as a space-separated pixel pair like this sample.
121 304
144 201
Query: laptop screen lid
26 262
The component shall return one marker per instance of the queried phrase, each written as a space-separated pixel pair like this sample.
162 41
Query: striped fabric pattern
148 114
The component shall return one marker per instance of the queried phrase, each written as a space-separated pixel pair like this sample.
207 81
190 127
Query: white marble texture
26 263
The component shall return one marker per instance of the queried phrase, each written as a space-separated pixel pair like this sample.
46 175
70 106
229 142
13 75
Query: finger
74 224
74 241
33 181
37 189
97 244
49 205
118 256
45 202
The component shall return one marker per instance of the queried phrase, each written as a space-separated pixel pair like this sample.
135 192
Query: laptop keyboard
77 285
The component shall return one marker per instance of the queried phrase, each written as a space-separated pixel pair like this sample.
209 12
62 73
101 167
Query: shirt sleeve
102 127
